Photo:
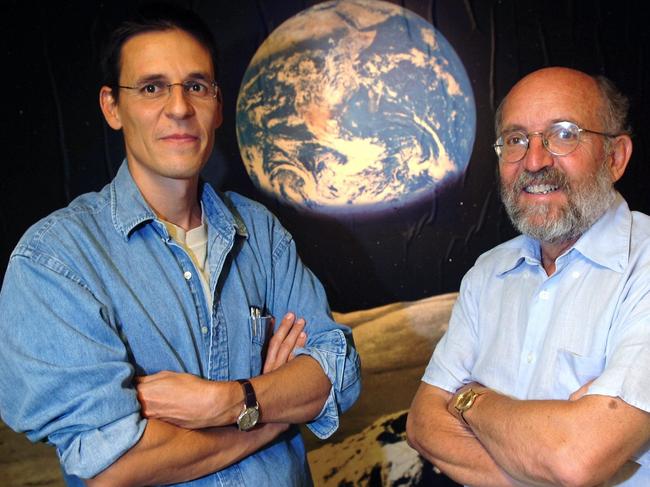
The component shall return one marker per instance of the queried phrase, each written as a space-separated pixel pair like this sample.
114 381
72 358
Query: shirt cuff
88 453
340 364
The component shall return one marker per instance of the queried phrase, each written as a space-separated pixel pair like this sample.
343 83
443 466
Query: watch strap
250 399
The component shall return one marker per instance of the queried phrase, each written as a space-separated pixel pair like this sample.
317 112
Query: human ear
108 105
619 156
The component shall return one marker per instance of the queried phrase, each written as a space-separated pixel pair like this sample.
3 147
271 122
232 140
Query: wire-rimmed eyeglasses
559 138
196 88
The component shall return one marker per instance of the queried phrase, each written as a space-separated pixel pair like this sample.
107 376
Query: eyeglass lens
559 139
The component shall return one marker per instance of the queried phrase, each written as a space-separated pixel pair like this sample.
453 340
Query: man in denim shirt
543 377
130 316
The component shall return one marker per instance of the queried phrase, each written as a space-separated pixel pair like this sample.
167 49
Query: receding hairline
567 74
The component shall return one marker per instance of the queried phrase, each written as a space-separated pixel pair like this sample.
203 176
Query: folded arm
291 389
447 443
169 454
576 442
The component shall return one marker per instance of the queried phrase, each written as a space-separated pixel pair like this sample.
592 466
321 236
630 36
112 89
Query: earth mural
355 105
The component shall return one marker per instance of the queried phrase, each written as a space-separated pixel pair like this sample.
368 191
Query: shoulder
640 231
262 227
245 206
503 257
67 228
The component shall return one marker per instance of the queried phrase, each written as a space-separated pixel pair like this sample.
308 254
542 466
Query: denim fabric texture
98 292
531 336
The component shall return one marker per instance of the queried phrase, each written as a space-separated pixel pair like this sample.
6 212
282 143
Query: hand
186 400
289 335
581 392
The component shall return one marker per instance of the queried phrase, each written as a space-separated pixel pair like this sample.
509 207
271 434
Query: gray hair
615 107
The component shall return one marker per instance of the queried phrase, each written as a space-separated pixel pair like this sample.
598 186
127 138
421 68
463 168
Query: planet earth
355 106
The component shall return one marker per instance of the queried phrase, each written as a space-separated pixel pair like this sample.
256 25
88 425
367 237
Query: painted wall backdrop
390 274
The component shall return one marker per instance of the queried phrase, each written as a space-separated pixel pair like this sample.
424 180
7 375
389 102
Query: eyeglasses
155 90
560 139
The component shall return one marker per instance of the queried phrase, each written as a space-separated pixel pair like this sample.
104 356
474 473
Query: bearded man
543 377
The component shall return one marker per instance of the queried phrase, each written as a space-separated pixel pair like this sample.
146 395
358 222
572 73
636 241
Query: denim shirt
533 336
98 292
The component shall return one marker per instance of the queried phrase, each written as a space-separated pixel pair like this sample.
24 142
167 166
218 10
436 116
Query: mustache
547 175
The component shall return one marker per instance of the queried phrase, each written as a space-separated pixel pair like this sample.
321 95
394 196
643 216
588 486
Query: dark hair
154 17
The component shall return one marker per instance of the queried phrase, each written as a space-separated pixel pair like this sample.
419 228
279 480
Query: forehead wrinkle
553 94
521 128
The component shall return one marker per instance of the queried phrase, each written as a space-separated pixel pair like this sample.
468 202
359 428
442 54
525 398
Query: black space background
55 144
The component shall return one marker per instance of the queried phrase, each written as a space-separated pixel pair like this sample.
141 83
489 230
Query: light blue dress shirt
98 292
531 336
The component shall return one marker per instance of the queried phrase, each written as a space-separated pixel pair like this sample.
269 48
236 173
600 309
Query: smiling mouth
541 188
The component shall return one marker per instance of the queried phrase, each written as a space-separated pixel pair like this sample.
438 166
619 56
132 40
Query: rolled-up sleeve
329 343
65 377
340 362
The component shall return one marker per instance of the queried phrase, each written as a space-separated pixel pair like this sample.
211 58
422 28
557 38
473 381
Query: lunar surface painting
355 105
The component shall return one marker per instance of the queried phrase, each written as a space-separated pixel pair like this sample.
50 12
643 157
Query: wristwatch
464 401
249 416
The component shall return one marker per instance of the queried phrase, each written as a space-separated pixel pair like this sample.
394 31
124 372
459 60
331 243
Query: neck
173 200
551 251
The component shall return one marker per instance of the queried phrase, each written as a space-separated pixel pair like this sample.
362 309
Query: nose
178 105
537 157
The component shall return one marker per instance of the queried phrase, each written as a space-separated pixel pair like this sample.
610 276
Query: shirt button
204 330
529 358
187 275
544 295
575 274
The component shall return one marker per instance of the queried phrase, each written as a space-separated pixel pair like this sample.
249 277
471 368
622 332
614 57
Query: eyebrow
196 75
521 128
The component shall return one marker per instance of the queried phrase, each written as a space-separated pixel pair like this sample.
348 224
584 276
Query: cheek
138 130
508 175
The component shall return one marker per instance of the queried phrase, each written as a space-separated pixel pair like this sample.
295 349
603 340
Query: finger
302 341
277 339
289 342
141 379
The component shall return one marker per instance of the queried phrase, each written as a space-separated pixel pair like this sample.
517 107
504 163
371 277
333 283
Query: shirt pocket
572 371
261 329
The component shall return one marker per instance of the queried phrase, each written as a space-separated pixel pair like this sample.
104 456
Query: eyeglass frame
182 84
497 147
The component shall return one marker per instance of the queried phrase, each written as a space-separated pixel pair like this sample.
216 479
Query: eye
515 139
153 88
564 132
199 88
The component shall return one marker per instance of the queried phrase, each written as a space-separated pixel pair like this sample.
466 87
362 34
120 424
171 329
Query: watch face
248 418
465 400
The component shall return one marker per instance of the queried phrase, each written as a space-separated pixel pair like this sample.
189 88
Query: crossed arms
190 434
580 441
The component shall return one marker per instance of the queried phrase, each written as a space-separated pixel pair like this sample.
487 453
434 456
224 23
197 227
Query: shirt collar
605 243
220 213
522 249
129 209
